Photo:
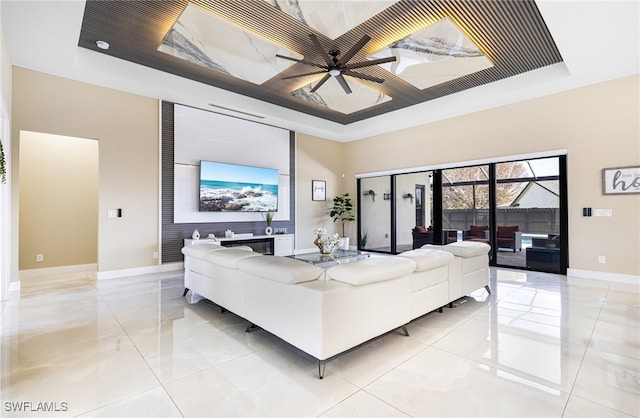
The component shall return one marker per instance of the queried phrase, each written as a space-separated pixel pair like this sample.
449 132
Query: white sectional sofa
471 266
326 312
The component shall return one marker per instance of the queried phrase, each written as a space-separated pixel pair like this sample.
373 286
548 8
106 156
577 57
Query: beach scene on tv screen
237 188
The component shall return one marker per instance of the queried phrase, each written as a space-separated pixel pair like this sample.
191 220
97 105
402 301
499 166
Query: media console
277 244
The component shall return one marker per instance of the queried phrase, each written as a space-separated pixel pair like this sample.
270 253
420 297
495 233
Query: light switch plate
112 213
603 212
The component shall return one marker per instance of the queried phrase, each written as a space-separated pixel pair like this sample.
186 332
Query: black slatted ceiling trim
512 34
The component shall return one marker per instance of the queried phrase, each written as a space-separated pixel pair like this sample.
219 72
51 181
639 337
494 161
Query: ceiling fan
339 67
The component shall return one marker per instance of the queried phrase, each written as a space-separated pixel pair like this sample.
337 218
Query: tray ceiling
232 45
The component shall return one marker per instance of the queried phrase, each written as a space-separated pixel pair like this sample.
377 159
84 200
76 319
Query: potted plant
363 239
342 210
3 168
268 218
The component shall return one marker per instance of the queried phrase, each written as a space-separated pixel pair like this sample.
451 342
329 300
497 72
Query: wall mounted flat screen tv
237 188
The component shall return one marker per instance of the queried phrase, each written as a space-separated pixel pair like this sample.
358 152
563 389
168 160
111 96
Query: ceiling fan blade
319 47
372 62
303 75
363 76
354 50
287 58
320 83
313 64
343 83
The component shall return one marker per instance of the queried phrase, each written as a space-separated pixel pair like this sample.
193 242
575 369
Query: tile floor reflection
540 345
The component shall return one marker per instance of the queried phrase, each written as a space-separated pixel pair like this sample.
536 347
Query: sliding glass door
517 207
465 203
374 214
412 200
528 220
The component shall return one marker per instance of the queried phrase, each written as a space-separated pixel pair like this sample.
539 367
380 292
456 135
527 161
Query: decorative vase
268 230
196 234
344 243
326 249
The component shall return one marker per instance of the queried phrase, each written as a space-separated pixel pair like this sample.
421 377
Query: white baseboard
52 271
601 275
160 268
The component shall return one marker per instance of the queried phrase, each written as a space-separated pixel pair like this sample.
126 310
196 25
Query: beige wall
58 200
5 189
126 127
317 159
599 127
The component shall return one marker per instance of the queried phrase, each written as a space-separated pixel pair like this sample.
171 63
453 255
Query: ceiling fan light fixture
334 72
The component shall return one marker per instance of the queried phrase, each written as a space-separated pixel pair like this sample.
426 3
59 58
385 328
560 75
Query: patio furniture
478 233
422 236
509 237
544 254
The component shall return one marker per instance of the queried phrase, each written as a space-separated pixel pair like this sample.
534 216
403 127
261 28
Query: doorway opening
58 204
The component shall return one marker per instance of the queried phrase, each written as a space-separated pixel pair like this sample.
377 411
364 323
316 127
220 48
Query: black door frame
438 218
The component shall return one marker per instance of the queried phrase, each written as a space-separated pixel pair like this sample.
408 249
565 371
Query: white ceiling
598 40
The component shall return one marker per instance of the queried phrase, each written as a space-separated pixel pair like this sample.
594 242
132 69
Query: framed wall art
621 180
318 190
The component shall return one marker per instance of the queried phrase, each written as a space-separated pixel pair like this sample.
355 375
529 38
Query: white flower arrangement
325 241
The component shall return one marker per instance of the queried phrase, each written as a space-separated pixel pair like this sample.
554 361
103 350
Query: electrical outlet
39 258
156 255
602 259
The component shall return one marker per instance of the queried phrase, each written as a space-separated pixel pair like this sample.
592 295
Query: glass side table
328 260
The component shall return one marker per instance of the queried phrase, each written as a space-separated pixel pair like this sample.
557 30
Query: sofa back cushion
280 269
478 230
371 270
229 258
200 250
507 231
467 249
428 259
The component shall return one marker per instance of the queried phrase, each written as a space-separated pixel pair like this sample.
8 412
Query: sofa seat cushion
280 269
428 258
229 258
371 270
467 249
200 250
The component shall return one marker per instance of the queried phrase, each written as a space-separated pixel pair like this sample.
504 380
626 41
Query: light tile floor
541 345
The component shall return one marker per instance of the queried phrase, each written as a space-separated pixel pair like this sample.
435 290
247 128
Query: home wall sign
318 190
621 180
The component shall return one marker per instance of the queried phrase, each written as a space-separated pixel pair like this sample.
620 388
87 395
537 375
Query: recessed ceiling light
102 44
